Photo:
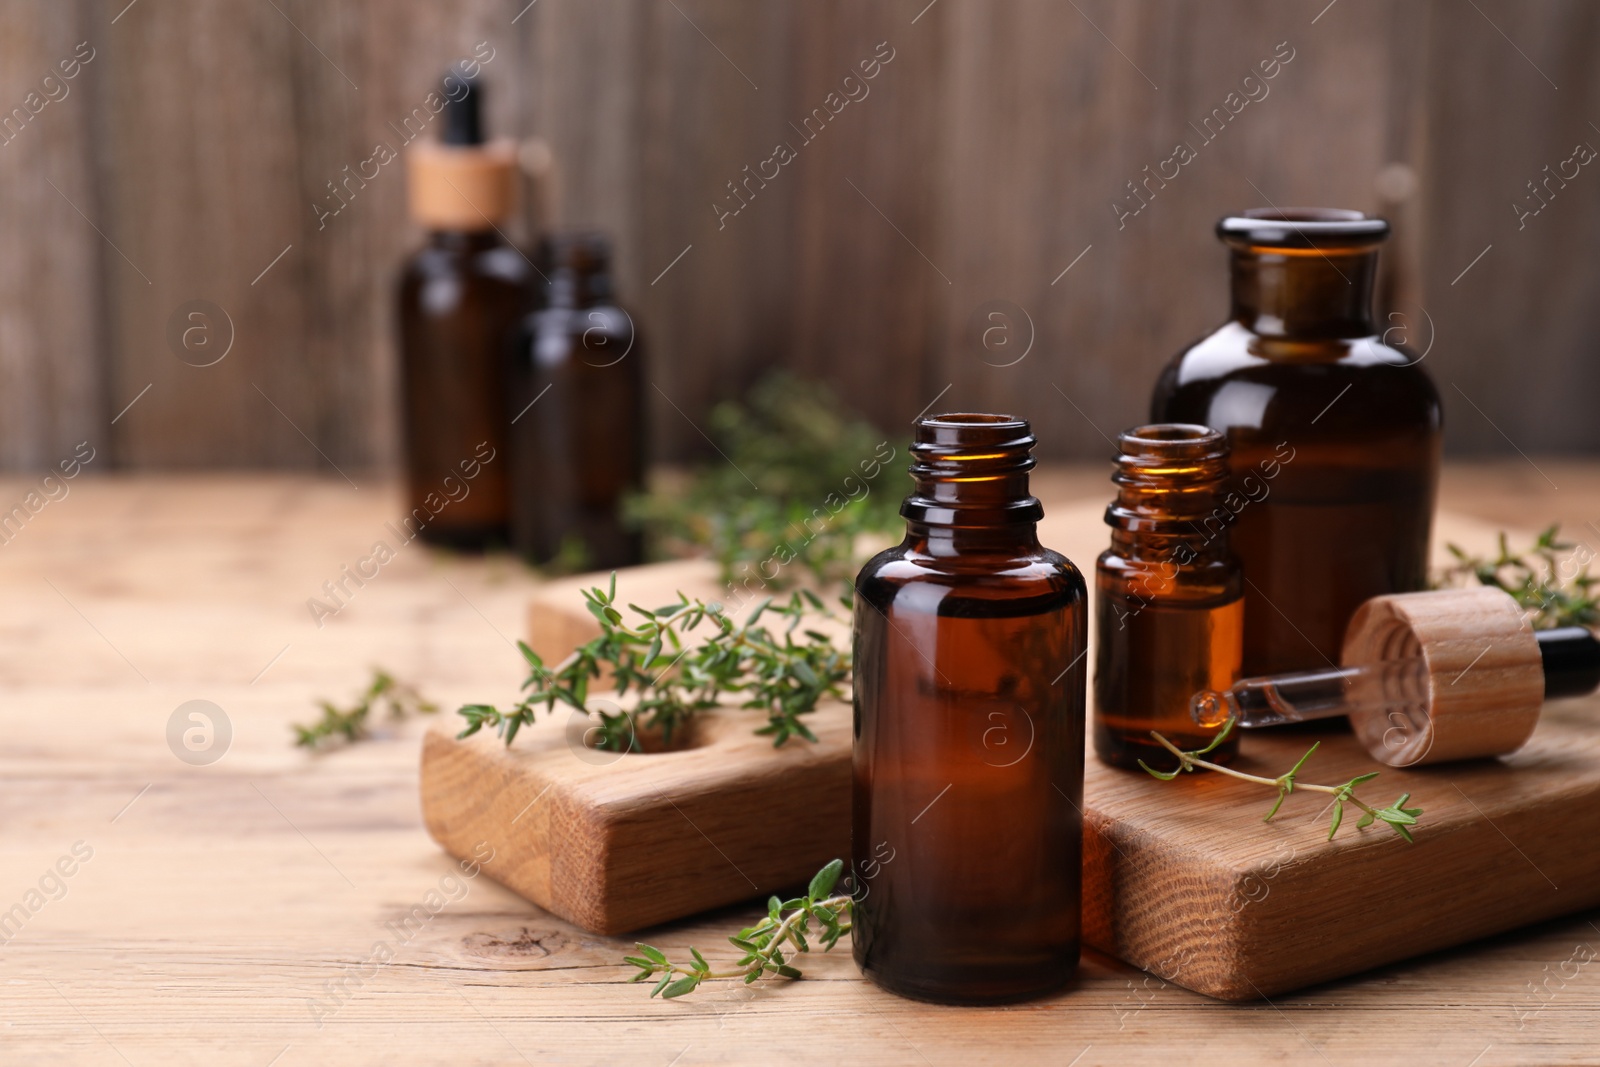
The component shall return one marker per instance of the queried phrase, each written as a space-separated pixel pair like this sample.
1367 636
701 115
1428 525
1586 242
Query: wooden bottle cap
461 187
1484 683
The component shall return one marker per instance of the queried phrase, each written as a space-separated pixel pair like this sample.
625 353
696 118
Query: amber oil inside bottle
969 728
1334 434
460 299
576 407
1169 614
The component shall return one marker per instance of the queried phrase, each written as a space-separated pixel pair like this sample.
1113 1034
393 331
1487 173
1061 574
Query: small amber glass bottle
577 411
461 297
1334 435
969 729
1169 607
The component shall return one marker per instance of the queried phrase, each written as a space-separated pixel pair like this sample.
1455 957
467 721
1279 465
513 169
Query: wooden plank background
984 160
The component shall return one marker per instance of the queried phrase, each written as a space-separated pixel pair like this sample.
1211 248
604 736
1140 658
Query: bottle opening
1319 228
1172 440
971 469
1168 476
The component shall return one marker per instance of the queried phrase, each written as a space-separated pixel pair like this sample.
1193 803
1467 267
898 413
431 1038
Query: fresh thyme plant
824 477
763 945
1396 816
351 723
672 679
1534 577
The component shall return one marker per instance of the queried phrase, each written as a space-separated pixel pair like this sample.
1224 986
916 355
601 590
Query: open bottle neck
1304 294
1303 273
1169 478
970 486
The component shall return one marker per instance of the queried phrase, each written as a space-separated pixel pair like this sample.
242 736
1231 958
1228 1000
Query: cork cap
462 187
1483 686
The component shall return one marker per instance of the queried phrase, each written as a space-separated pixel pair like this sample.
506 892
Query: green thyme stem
351 723
762 944
669 678
1396 816
1276 783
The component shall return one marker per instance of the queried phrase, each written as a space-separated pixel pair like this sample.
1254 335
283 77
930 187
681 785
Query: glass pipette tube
1320 694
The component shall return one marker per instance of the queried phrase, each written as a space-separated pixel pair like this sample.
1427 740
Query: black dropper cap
1571 657
463 115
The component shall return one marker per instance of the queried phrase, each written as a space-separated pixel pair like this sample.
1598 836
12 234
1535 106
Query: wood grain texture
615 842
214 916
982 163
1482 686
51 330
1190 886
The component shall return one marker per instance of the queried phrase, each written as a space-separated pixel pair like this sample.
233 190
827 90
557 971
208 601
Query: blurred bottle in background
576 388
461 298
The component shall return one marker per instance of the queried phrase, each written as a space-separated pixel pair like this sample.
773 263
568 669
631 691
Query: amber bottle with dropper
1334 434
461 296
969 728
576 393
1169 607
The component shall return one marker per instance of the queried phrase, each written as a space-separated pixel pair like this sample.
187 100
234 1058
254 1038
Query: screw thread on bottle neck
1169 477
971 470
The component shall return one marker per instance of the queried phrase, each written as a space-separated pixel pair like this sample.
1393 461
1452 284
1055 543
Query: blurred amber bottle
461 297
577 412
1169 614
969 726
1334 435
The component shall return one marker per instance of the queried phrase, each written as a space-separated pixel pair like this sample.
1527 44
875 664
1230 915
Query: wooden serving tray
1181 878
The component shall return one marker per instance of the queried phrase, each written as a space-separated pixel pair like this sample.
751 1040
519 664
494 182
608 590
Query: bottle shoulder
498 263
1037 572
1235 379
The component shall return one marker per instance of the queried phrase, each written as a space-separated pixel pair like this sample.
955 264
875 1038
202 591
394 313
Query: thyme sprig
673 679
784 926
1396 816
1535 578
401 698
829 484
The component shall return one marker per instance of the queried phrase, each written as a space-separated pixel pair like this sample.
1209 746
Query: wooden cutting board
1181 878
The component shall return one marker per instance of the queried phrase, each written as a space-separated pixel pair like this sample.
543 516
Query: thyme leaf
1396 816
401 698
672 678
1549 580
761 945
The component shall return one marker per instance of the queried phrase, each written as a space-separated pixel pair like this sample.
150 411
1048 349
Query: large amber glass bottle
577 410
461 297
969 727
1169 604
1334 434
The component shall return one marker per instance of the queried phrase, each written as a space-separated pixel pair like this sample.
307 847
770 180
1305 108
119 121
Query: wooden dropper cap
461 181
1483 686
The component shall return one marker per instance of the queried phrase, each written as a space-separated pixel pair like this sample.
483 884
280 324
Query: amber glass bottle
461 297
577 413
1169 607
969 726
1334 435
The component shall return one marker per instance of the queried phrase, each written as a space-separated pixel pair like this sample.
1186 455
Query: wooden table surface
252 910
